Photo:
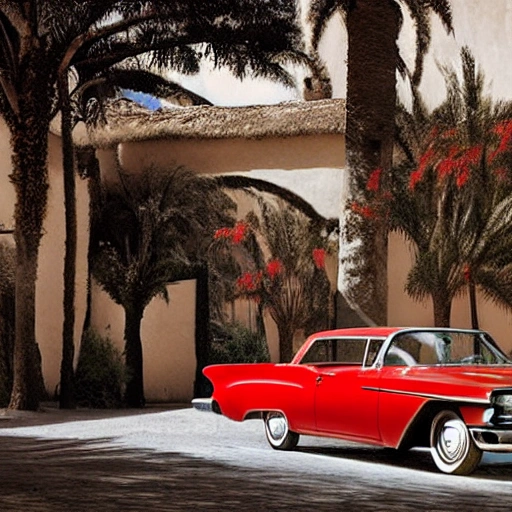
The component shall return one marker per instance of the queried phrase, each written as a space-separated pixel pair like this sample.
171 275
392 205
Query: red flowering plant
372 203
236 234
319 257
451 187
281 266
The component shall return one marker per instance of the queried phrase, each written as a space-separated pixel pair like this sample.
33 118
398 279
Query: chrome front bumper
492 440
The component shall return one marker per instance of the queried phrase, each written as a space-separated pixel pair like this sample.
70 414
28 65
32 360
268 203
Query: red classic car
450 389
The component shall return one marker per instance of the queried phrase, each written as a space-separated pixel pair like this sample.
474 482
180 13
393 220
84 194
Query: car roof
361 331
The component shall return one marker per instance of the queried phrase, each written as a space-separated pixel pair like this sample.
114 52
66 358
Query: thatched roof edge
127 121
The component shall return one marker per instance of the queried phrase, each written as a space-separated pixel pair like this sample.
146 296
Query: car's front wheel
278 433
452 447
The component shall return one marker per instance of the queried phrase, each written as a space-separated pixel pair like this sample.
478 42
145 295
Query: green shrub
235 343
100 374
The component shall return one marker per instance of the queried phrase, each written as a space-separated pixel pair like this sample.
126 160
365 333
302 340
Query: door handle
320 377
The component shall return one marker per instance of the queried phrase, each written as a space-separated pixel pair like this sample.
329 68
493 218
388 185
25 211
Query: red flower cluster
373 183
424 162
253 281
467 272
249 282
365 211
504 130
274 267
459 163
222 233
319 258
236 234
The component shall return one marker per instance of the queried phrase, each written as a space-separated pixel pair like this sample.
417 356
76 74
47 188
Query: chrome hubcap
277 426
452 444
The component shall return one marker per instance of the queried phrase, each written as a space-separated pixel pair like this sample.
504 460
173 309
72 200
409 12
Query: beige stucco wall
50 281
237 155
167 334
167 329
402 310
283 156
7 196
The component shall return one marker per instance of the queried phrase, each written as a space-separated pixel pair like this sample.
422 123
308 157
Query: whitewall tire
279 436
452 446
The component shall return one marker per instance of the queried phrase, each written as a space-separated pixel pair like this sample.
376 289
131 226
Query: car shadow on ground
416 459
60 475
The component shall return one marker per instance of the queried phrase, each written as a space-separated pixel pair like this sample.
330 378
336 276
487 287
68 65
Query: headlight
504 401
488 415
503 408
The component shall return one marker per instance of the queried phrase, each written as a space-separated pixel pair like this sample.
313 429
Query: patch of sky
142 98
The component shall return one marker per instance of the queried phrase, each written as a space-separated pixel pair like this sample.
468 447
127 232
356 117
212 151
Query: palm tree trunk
472 304
442 309
67 394
134 393
372 27
29 140
285 334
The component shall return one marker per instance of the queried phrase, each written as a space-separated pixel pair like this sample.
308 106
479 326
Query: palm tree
40 40
36 38
96 63
280 257
152 232
372 60
453 194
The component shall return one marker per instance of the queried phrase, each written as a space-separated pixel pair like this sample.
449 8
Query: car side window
319 352
351 350
336 351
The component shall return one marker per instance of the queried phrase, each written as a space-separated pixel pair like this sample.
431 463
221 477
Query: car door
345 401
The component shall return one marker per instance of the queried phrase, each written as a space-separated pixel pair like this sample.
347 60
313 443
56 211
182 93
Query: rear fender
243 391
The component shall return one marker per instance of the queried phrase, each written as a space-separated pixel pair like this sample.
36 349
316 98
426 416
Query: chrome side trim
203 404
464 399
491 440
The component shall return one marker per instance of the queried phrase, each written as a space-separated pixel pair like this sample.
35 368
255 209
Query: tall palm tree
372 61
36 38
152 232
40 40
454 194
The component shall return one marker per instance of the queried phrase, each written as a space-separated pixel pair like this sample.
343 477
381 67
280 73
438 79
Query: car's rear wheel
452 447
278 433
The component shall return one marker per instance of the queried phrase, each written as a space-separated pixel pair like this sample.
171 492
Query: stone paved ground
55 476
68 475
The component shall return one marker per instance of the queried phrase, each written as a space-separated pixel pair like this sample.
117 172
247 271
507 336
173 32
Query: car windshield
412 348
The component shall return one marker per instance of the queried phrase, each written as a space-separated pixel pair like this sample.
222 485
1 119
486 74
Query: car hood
473 382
